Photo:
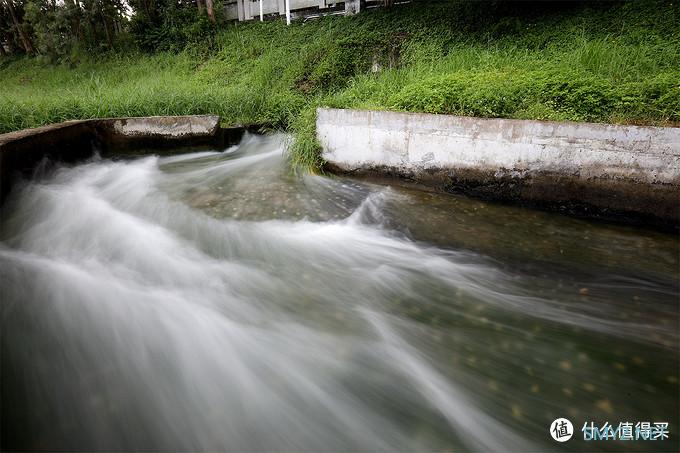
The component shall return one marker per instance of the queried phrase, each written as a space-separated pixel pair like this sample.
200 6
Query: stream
217 300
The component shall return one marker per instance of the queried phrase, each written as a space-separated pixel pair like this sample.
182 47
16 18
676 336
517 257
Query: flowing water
218 301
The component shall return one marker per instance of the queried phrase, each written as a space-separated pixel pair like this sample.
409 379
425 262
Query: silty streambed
218 301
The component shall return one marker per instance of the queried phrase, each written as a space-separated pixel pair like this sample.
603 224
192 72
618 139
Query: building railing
243 10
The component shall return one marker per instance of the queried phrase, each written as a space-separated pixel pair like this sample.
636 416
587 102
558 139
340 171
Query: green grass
612 62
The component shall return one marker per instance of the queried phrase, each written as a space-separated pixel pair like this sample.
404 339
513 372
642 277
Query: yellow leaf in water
637 361
604 406
620 366
588 386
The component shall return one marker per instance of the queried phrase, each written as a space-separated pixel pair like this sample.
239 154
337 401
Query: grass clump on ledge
611 62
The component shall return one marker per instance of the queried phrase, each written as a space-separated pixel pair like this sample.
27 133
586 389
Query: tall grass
614 62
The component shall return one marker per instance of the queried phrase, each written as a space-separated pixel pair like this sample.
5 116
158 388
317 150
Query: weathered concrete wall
167 126
21 151
159 131
614 171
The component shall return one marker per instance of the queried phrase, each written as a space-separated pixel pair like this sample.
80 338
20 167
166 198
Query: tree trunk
201 6
11 41
103 14
25 41
211 13
75 21
109 40
2 50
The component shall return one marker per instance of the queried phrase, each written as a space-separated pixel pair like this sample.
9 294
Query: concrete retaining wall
162 131
69 141
614 171
166 126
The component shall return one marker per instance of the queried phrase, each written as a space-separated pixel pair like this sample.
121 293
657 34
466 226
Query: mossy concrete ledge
616 172
21 151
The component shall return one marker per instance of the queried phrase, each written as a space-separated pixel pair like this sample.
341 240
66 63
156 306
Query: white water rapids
215 301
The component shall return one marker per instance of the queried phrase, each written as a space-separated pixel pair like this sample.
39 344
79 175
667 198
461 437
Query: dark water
217 301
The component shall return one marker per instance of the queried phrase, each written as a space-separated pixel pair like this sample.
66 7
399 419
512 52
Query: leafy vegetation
603 62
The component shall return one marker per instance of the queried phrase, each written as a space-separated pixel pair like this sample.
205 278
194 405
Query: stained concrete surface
618 172
21 151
